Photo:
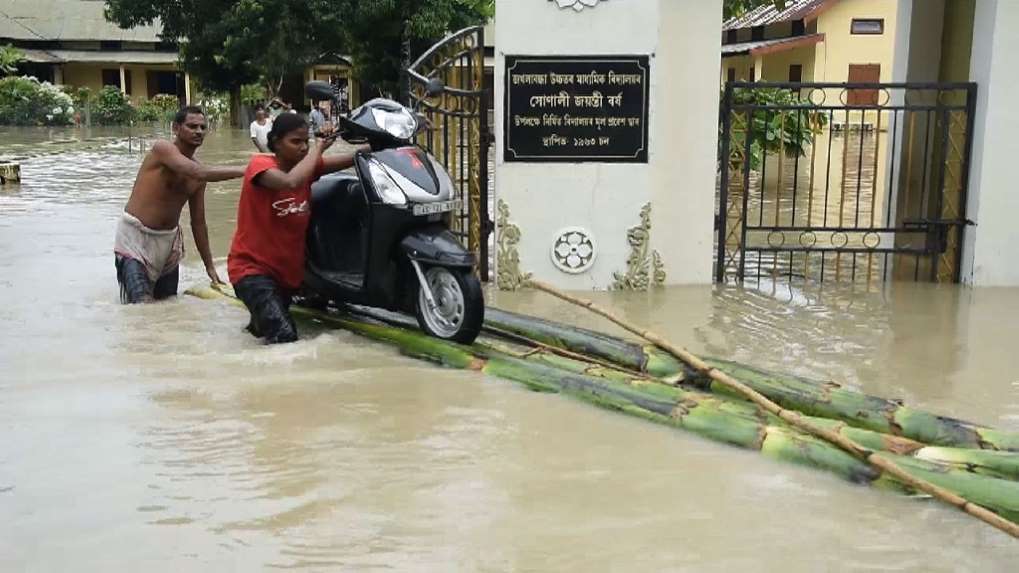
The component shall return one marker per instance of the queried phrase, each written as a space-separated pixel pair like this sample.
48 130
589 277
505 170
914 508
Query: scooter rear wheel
459 305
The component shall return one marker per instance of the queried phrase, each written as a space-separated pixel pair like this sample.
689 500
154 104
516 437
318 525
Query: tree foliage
736 8
229 43
378 34
10 57
775 126
111 107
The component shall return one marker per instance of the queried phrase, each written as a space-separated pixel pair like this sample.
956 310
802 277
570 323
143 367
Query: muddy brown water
163 438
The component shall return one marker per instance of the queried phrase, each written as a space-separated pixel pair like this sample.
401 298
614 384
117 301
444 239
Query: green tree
228 43
10 57
382 36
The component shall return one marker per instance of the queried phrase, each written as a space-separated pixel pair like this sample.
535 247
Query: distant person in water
316 118
149 244
266 262
259 129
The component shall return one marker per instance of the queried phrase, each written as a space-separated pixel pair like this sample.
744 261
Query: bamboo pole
793 418
816 398
716 417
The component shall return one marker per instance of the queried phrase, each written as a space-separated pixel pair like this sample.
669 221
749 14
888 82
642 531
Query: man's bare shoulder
162 147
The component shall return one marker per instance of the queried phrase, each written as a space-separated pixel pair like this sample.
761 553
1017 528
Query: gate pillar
606 136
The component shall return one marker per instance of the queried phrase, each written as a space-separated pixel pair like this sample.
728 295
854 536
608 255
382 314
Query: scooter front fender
436 246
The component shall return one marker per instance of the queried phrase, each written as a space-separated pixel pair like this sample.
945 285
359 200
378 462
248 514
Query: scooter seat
337 233
335 189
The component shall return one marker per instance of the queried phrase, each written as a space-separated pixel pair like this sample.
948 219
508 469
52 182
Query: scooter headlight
388 190
400 124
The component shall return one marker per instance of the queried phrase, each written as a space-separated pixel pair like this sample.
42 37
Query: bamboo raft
909 451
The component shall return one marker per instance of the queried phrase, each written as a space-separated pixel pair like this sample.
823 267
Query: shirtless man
149 243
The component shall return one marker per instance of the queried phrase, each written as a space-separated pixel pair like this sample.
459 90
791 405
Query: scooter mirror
422 121
319 90
434 87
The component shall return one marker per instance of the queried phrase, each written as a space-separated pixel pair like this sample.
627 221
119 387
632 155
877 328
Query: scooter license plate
432 208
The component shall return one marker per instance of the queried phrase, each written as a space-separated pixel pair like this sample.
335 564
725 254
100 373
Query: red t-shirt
271 228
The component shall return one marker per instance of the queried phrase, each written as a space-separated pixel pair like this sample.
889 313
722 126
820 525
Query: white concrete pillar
758 69
686 137
612 202
990 256
123 80
58 75
187 88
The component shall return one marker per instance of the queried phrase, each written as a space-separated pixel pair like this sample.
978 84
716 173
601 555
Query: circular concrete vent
573 250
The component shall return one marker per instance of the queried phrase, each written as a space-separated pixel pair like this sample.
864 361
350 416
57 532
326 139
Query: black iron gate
458 133
855 181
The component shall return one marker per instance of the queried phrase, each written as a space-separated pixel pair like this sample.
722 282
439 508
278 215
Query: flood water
164 438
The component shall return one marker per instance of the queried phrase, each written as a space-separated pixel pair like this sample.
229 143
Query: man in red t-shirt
266 262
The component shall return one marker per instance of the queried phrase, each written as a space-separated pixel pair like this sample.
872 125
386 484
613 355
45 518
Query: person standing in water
316 118
259 129
149 244
266 261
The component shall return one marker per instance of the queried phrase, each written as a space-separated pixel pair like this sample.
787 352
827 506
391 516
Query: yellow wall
90 75
840 48
742 65
829 60
776 66
83 75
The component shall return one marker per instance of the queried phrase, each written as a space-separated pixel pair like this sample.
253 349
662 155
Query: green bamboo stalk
708 417
830 400
1003 465
729 421
816 398
631 355
794 418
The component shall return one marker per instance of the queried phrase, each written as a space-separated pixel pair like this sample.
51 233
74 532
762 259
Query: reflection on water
854 205
162 437
841 183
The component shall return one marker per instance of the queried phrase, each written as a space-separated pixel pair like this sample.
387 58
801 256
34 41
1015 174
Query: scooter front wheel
459 305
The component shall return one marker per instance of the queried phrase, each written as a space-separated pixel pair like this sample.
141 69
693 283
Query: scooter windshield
412 163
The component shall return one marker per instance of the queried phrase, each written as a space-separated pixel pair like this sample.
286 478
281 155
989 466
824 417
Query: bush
80 96
162 108
253 93
216 106
10 57
111 107
27 101
777 128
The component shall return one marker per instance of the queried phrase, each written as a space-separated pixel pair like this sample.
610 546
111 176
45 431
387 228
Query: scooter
381 237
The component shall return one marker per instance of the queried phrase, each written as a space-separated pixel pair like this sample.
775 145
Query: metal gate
843 181
458 131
